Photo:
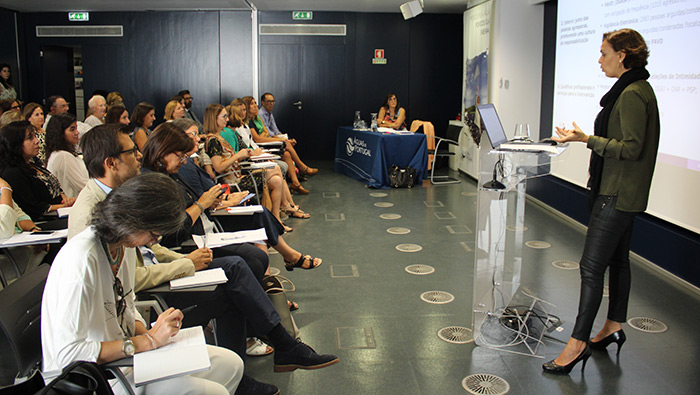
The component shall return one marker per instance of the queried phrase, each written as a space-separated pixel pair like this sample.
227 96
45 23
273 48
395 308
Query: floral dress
217 146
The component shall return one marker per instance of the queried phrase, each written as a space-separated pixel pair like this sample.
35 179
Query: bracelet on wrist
199 205
153 342
8 188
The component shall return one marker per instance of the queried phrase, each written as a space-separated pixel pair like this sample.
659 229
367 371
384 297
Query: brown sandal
309 171
298 189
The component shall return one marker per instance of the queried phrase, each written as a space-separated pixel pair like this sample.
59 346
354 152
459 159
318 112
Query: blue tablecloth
365 156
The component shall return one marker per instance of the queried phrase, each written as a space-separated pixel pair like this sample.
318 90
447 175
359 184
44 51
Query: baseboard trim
634 257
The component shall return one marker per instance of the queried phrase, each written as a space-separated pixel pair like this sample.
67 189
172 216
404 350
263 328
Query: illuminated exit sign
302 15
78 16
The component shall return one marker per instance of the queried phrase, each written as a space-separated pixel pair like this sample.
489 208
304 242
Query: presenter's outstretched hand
565 135
167 325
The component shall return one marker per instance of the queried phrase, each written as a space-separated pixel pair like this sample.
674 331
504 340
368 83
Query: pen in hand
188 309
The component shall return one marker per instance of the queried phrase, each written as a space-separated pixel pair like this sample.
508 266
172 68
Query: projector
411 9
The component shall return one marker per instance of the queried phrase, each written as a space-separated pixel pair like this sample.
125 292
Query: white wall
515 69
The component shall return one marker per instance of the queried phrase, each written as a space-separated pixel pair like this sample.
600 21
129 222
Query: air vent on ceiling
302 30
80 31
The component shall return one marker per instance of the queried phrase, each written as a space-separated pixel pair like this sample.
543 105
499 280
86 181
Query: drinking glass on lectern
374 121
522 131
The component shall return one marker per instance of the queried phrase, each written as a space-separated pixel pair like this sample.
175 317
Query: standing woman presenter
624 147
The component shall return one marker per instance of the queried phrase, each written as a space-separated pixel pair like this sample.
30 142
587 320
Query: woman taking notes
623 155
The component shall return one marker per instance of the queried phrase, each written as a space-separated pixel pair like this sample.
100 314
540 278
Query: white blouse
78 308
246 136
70 171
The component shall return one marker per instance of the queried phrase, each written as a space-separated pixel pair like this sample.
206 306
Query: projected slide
671 29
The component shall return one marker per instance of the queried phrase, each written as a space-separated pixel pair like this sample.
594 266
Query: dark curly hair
12 138
632 44
56 134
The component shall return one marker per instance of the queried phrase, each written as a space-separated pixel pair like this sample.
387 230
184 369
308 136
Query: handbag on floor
276 288
400 177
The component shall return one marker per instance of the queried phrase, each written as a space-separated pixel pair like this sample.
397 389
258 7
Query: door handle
298 104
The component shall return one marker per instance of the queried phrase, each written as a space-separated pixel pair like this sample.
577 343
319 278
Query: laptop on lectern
497 136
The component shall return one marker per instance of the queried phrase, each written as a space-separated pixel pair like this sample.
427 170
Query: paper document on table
31 238
185 353
215 240
63 211
200 278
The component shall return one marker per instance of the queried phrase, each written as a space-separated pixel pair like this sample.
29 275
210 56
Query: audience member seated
165 151
142 119
115 99
13 221
237 127
187 98
9 105
57 105
97 109
231 304
391 115
62 138
174 110
11 116
240 136
198 181
88 310
34 113
36 190
225 159
7 90
262 135
117 114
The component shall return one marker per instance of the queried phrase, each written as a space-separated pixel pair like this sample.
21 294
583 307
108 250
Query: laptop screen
492 124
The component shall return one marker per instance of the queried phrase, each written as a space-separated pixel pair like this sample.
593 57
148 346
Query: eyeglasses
121 302
188 98
15 107
132 150
269 101
155 237
225 116
182 158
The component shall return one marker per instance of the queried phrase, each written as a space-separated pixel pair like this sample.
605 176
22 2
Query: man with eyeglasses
57 105
111 162
188 105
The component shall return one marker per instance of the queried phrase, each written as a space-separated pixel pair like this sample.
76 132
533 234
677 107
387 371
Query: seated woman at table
142 118
391 115
198 181
63 160
36 190
88 311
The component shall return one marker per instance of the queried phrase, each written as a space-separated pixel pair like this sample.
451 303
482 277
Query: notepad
264 156
200 278
186 353
215 240
33 238
63 212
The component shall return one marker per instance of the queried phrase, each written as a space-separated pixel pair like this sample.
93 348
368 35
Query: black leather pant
607 245
238 302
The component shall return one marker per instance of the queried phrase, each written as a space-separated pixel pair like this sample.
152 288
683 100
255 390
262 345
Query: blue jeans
607 245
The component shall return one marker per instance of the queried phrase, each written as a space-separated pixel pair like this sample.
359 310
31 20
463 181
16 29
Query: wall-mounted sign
78 16
379 57
302 15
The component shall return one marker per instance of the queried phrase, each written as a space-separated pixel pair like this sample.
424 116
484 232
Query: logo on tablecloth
353 145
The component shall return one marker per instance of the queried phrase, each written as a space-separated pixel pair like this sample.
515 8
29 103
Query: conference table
365 155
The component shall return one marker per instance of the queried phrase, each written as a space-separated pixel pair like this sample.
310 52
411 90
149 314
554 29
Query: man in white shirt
57 105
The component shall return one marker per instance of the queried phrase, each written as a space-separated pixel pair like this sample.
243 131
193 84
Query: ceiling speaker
411 9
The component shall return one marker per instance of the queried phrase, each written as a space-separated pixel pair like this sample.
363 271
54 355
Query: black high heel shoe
551 367
615 337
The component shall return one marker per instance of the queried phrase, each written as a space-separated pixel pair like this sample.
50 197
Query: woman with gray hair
98 109
88 310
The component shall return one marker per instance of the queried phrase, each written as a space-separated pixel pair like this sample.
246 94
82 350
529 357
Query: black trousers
257 259
239 301
607 245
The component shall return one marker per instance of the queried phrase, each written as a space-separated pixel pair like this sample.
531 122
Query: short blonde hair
170 109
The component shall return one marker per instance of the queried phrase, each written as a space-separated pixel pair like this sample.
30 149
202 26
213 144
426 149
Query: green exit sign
302 15
78 16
